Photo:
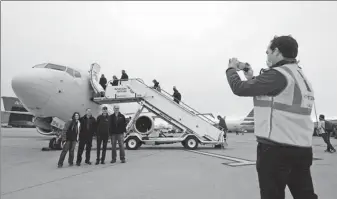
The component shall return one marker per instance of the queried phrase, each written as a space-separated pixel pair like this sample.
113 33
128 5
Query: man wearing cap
102 134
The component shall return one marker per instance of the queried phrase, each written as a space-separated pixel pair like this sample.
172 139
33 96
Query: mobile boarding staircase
196 128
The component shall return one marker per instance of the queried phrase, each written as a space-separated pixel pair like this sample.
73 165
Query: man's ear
277 52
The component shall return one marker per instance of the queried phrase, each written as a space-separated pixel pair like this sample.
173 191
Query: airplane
245 124
52 93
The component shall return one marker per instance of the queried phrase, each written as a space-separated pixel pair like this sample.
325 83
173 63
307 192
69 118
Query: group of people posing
115 82
82 129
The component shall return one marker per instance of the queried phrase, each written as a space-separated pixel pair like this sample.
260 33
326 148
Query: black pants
326 138
280 166
99 143
120 139
87 143
68 146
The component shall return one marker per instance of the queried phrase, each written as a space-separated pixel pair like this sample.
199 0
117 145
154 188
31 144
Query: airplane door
93 75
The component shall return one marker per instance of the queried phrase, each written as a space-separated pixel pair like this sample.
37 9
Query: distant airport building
14 119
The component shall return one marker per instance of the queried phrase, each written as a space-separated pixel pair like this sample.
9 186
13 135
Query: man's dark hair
287 45
104 108
321 117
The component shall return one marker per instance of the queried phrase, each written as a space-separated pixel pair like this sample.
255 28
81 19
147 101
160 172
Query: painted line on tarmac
236 161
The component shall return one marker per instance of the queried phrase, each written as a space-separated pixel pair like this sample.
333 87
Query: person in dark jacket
102 134
71 131
117 130
103 81
88 123
176 95
124 76
156 85
115 81
222 124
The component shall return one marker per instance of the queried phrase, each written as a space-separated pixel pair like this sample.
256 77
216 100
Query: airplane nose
32 90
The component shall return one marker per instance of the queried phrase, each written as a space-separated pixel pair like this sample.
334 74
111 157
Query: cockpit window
56 67
70 71
77 74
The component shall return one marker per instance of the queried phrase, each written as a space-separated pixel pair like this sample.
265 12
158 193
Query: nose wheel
56 144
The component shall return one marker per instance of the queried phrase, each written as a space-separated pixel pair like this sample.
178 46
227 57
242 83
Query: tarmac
151 172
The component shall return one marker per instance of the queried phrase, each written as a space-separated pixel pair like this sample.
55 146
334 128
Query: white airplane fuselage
51 93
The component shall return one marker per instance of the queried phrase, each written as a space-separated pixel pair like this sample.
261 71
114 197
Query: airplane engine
144 124
43 125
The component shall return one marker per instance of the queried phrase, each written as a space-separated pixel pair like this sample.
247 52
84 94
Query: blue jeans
120 139
68 146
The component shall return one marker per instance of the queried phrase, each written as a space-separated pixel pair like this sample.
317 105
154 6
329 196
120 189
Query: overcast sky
182 44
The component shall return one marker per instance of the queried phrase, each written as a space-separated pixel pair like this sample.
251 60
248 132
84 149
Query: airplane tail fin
250 116
251 113
8 102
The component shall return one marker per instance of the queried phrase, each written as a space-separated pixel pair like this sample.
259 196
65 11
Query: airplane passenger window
70 71
56 67
77 74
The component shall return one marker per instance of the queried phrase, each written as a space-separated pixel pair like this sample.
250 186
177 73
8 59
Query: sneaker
78 164
102 162
113 161
59 165
97 162
71 164
123 161
87 162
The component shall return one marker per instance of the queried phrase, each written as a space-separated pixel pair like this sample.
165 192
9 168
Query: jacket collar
85 117
284 61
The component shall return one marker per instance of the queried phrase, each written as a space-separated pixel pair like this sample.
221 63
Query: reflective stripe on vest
286 118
